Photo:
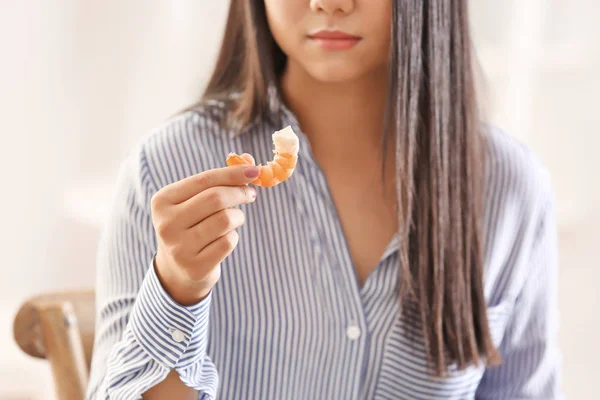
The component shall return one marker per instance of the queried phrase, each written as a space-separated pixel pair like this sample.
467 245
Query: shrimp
282 167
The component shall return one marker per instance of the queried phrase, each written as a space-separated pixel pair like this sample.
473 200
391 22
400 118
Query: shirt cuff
166 330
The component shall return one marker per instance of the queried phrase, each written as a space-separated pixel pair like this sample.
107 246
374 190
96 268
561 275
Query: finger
211 201
249 158
185 189
218 250
215 226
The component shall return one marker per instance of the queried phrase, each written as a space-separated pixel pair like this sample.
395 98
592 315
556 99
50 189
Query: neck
338 118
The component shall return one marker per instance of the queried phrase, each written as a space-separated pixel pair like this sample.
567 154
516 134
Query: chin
335 72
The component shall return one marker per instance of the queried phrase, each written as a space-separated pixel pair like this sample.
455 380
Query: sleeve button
177 335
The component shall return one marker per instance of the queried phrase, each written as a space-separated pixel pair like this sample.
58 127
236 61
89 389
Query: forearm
172 388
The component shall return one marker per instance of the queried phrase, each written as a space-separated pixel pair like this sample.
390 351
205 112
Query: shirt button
353 332
178 336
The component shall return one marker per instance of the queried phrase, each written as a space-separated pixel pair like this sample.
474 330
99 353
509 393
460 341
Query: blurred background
82 81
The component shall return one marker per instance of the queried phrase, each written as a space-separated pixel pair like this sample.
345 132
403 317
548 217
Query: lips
335 40
333 35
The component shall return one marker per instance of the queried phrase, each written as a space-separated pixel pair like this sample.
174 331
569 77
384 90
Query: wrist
182 291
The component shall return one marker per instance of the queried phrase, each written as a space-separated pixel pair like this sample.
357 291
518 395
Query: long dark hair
432 119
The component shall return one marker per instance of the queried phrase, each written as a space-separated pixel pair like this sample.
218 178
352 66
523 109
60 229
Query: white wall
81 81
543 58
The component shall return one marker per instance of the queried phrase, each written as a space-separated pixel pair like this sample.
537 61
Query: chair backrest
59 327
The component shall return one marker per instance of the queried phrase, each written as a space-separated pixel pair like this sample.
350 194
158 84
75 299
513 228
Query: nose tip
332 6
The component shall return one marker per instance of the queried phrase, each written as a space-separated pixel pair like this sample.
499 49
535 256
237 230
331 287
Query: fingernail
251 172
253 193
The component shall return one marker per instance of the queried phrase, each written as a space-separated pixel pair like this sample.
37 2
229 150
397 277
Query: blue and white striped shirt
288 319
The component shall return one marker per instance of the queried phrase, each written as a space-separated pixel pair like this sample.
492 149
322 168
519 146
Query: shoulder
186 144
514 173
188 128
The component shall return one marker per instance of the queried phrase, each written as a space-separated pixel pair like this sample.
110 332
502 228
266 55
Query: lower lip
337 44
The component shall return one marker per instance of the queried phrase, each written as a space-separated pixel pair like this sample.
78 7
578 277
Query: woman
411 255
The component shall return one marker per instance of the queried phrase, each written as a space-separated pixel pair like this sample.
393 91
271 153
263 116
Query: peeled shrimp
282 167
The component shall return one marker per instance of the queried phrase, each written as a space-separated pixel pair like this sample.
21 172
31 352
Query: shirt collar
392 247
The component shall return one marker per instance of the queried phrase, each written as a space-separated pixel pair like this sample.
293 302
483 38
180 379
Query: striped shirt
288 319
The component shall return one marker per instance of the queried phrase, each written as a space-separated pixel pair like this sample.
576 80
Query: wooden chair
59 327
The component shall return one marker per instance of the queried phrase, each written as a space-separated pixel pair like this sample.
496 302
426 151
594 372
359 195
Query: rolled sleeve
166 329
161 335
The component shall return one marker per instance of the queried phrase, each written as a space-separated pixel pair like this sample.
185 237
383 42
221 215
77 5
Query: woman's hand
195 223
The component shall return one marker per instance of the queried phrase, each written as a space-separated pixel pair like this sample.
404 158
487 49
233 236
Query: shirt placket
380 299
340 276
